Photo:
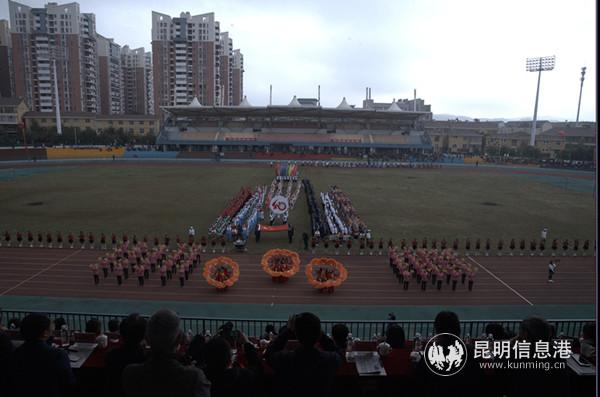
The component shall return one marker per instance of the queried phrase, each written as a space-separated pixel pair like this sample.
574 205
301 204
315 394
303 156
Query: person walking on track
551 270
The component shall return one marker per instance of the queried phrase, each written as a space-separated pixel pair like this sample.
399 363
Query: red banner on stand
278 228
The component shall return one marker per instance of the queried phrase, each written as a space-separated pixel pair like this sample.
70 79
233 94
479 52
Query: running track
500 281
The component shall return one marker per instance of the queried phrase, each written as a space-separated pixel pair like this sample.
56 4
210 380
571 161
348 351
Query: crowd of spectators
154 357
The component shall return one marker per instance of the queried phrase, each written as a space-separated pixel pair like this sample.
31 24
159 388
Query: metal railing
364 330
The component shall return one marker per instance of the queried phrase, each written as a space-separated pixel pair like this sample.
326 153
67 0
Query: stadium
296 130
361 202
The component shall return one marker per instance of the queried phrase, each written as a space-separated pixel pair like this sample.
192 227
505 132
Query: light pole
538 65
580 90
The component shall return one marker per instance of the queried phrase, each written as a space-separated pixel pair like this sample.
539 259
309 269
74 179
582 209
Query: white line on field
40 272
499 279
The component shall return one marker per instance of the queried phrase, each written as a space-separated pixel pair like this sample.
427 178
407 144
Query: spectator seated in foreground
132 331
466 383
162 375
37 369
228 381
305 371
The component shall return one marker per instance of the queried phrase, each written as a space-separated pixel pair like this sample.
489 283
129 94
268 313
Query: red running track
500 280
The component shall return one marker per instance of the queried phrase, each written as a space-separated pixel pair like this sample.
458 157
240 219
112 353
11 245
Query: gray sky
464 57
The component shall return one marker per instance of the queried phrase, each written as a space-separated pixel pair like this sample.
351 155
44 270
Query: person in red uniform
19 238
163 275
49 239
113 240
104 264
30 238
139 272
81 239
181 271
40 239
102 241
91 240
59 239
125 264
119 273
95 272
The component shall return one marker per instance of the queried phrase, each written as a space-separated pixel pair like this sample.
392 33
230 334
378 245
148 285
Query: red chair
364 346
85 337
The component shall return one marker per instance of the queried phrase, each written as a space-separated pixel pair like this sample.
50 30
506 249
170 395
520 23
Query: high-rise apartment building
135 82
58 34
110 82
225 72
190 58
237 77
149 84
5 60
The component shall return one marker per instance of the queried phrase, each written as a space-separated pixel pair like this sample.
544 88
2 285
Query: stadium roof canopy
289 111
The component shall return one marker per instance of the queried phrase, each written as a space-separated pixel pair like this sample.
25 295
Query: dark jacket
116 361
164 376
38 369
243 382
303 372
6 352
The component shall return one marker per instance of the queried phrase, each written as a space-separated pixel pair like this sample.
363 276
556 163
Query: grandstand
294 129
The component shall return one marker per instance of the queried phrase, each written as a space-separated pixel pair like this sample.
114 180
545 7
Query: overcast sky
464 57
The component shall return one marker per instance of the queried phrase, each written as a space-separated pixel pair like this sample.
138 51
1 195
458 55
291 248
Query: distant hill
444 117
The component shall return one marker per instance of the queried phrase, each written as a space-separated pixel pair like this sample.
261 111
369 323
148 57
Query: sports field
505 287
149 198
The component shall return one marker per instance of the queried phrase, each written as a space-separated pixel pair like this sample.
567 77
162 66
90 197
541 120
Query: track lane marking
40 272
501 281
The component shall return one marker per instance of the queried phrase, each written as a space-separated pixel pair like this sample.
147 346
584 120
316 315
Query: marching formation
437 267
140 261
340 214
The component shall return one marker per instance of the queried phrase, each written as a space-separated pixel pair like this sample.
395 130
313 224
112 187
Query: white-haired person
163 375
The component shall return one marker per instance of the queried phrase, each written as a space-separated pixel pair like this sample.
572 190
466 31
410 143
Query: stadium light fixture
580 90
540 64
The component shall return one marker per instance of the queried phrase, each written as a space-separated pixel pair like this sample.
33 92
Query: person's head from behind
589 332
339 333
394 336
133 329
36 326
270 328
14 323
113 325
196 350
535 329
59 322
217 354
447 322
496 330
307 327
163 333
93 326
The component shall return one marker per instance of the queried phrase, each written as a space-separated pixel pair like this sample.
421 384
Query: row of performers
89 238
142 261
431 266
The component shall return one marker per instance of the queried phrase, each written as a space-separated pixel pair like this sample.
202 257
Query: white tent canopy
195 103
245 103
344 104
394 107
294 103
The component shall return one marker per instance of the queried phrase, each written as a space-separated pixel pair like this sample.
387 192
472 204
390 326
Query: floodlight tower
580 90
538 65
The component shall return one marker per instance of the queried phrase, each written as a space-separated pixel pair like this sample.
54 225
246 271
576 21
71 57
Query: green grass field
397 203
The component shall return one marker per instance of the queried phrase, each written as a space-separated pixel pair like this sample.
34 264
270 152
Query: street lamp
538 65
580 90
